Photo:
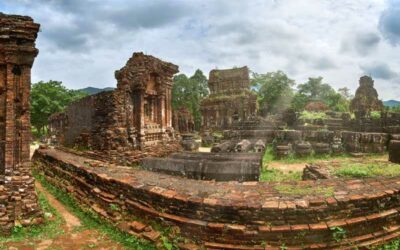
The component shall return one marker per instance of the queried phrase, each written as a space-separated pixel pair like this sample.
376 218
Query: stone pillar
161 108
168 108
138 104
18 200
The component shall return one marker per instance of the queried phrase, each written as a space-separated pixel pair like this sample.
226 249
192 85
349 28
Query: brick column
17 53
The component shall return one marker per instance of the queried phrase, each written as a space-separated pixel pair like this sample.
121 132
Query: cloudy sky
82 42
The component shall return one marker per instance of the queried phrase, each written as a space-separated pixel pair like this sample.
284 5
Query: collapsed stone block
243 146
302 148
189 143
259 146
315 172
210 166
227 146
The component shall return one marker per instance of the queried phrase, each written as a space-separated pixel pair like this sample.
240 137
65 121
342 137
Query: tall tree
188 92
274 91
48 98
345 92
316 90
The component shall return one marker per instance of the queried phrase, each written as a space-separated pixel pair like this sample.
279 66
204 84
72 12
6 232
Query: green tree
48 98
316 90
345 92
188 92
274 91
299 101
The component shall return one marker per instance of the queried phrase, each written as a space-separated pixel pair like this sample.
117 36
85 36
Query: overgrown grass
394 245
305 190
312 115
364 170
290 159
90 220
275 175
48 230
375 115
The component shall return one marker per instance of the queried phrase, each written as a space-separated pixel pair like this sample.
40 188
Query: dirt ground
73 237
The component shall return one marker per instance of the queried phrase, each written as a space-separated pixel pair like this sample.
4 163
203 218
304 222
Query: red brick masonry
231 215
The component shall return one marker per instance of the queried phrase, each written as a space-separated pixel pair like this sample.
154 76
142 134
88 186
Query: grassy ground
365 169
291 159
343 165
48 230
303 191
90 220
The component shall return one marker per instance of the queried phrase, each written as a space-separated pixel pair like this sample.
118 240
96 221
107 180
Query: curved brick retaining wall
232 215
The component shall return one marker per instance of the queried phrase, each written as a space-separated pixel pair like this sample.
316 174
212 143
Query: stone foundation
208 166
231 215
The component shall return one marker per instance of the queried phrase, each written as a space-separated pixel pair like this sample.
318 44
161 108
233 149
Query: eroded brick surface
137 114
18 201
230 98
232 215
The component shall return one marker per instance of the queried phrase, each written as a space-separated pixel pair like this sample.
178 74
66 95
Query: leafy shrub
376 115
312 115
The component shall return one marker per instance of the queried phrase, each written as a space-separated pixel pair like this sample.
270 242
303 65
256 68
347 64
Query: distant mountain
93 91
391 103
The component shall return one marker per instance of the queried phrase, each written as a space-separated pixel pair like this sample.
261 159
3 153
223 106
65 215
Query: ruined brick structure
183 121
230 99
366 99
18 200
136 114
231 215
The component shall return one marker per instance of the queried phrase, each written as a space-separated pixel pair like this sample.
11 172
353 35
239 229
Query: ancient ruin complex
216 200
136 114
18 200
230 98
210 200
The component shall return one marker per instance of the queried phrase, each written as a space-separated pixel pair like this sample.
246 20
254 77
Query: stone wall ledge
231 214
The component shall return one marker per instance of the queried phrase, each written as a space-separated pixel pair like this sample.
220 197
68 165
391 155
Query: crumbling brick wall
230 99
183 121
231 215
136 114
18 200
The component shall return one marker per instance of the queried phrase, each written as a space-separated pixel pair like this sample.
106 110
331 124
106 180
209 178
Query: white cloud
83 42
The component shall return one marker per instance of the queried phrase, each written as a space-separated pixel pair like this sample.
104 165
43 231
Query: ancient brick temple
366 99
230 99
18 200
136 114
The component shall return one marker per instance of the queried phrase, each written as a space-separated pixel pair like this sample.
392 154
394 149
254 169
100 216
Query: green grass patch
365 170
305 190
312 115
48 230
269 157
90 220
276 175
394 245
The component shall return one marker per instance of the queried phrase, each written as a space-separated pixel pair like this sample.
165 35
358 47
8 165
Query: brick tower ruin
136 114
18 200
230 99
